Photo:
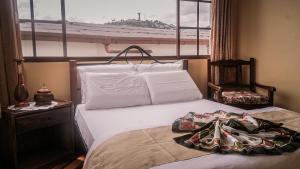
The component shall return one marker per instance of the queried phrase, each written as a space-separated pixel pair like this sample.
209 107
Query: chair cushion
243 97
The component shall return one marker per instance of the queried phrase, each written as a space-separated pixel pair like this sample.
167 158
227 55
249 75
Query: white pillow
113 90
158 67
175 86
111 68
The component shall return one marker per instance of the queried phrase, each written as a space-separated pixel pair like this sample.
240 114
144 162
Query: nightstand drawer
40 120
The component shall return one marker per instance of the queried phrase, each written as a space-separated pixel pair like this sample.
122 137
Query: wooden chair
231 88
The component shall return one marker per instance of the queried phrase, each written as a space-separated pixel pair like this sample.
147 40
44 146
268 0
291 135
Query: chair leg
209 93
271 98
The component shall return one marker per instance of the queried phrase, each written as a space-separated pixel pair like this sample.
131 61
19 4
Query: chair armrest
218 89
215 87
269 88
271 91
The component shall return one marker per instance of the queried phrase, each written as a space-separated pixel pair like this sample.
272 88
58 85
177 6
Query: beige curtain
223 34
10 48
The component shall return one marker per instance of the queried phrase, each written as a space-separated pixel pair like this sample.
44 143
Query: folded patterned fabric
224 132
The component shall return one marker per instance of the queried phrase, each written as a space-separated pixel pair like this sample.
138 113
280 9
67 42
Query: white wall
54 48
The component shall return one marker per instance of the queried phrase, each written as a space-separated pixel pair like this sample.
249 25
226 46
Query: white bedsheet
98 125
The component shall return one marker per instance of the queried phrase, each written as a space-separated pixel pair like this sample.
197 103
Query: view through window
103 28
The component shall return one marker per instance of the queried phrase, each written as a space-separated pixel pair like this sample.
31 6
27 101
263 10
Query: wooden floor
74 164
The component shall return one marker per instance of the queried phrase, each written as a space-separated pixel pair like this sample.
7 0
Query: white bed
98 125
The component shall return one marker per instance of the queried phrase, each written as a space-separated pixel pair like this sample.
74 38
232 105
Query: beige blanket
143 149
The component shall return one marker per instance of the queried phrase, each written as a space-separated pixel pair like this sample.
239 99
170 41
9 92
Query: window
102 28
193 20
42 27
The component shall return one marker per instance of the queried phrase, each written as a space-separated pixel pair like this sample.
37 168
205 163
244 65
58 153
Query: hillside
140 23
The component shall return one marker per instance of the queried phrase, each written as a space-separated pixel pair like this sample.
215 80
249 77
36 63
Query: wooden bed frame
76 90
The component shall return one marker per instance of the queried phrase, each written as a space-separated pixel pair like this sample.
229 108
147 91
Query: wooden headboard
75 88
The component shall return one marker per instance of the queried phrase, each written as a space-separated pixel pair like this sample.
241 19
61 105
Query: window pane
204 15
188 14
105 27
23 9
48 39
26 38
47 9
25 27
204 42
188 42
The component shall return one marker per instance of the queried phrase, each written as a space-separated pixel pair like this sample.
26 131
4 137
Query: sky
102 11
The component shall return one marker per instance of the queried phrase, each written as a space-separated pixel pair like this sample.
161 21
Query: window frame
65 57
198 28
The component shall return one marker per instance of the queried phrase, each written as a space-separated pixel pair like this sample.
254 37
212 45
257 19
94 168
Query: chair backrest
230 73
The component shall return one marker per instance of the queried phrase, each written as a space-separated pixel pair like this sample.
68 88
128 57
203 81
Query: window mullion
32 28
178 29
64 30
203 1
198 28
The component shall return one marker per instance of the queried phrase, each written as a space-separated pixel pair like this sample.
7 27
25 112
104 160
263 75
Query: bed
96 126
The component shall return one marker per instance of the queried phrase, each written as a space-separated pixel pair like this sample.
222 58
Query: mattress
98 125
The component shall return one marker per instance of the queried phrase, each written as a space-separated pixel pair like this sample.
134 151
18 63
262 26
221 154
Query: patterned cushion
243 97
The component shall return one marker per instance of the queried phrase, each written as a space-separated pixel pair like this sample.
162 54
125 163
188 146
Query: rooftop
103 33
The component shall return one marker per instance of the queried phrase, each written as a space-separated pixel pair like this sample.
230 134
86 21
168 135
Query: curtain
223 34
10 48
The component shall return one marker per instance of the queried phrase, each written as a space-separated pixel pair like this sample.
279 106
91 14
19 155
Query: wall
55 48
56 77
269 30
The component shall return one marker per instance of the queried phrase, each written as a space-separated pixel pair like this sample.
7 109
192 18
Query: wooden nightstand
37 139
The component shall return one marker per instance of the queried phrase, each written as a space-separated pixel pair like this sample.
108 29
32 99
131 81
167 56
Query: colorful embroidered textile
232 133
243 97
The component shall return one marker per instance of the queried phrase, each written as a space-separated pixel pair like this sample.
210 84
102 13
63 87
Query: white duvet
98 125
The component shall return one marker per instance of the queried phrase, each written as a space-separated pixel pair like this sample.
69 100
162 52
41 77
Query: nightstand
39 138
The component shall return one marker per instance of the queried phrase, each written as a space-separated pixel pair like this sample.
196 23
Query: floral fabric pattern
243 97
224 132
